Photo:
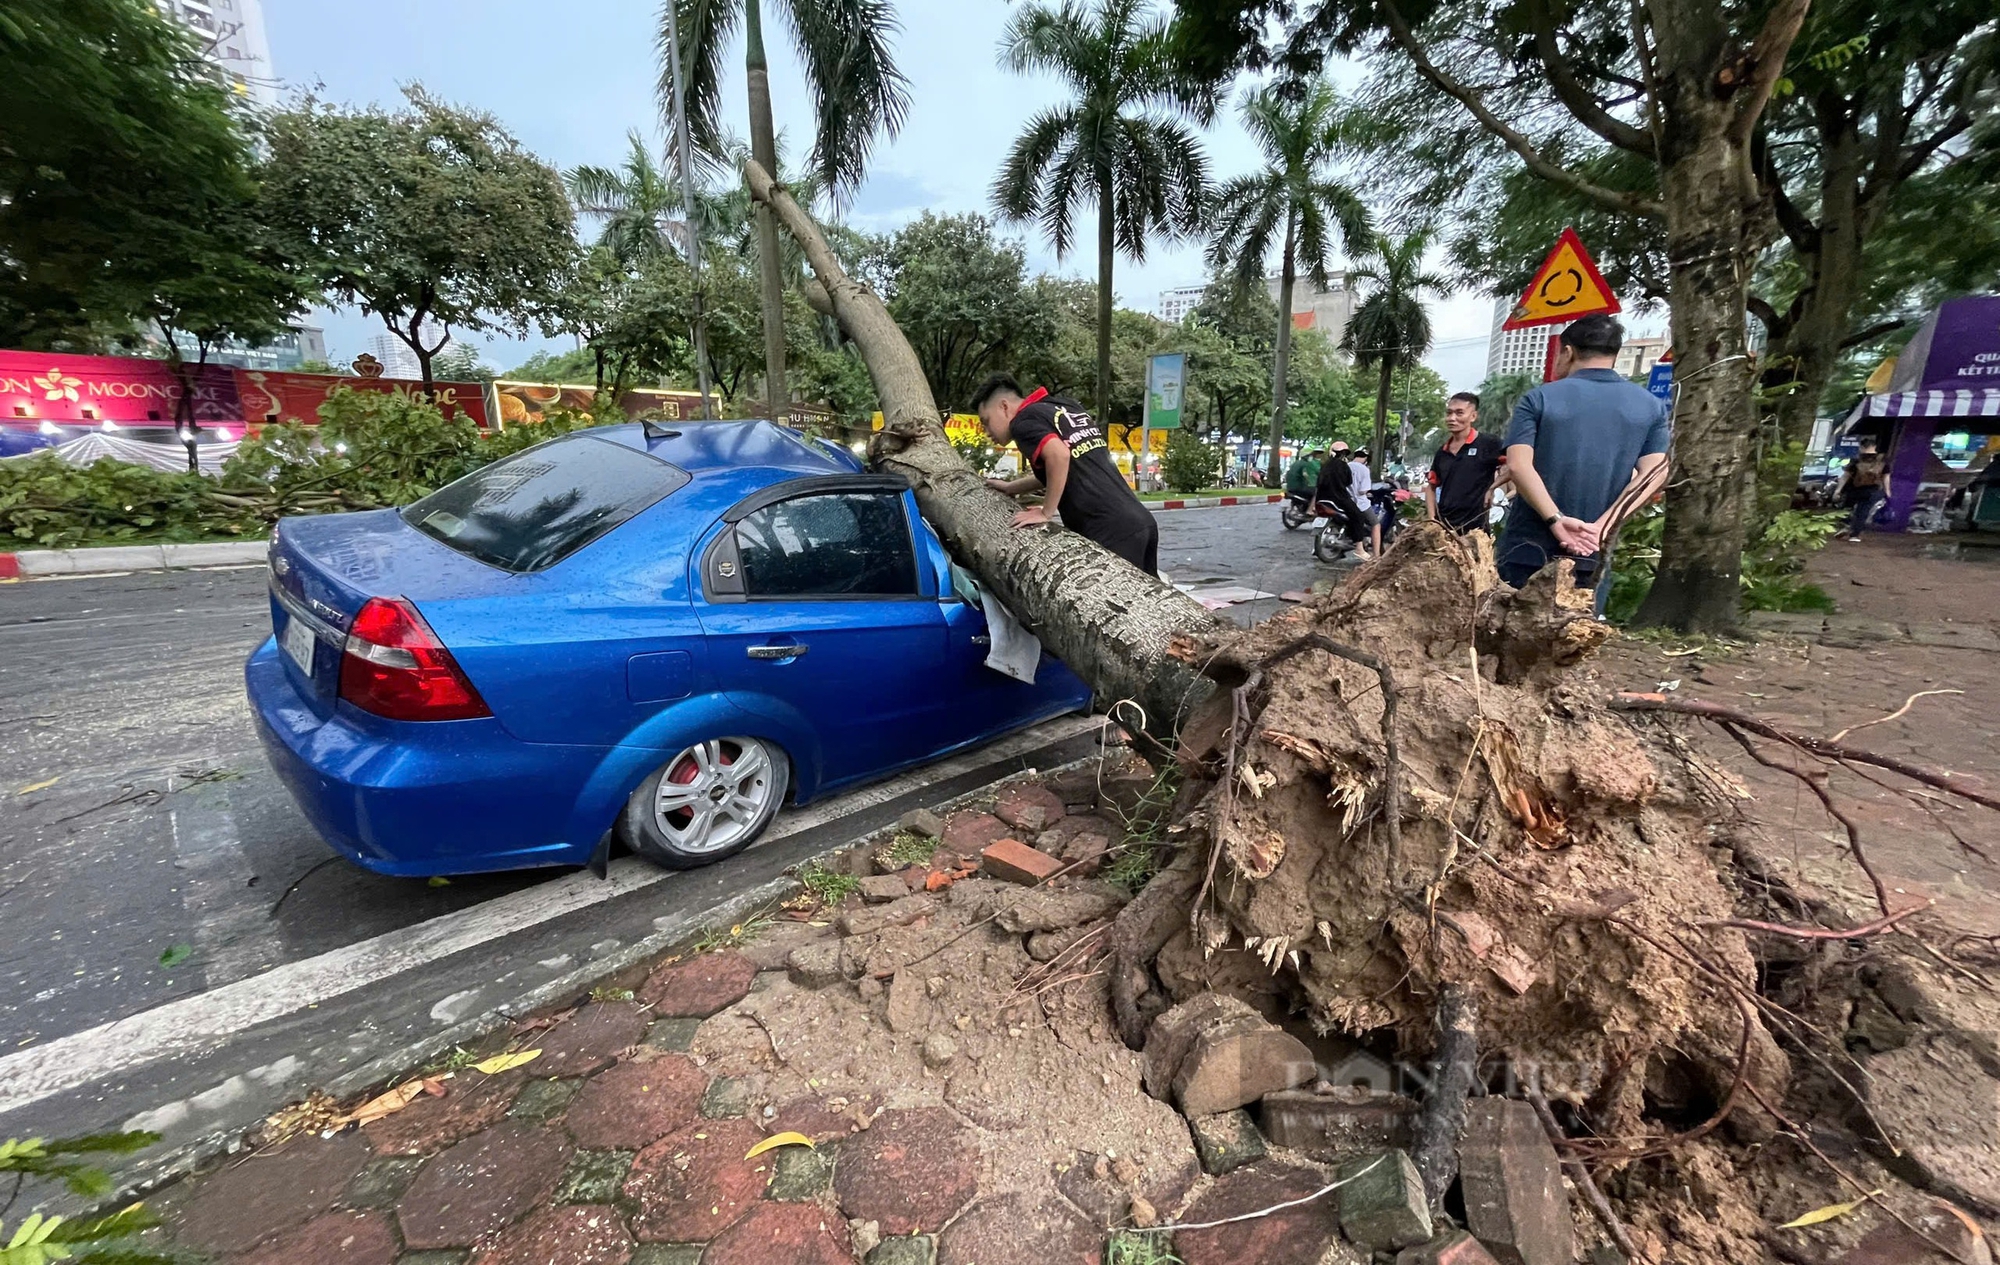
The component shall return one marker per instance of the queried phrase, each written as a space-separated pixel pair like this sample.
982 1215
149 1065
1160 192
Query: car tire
709 802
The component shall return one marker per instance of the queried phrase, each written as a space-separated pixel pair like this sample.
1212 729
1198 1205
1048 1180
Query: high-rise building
1327 311
1517 350
398 361
297 345
1176 303
232 38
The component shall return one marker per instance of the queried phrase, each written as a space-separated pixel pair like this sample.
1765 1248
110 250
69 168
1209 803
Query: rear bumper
417 799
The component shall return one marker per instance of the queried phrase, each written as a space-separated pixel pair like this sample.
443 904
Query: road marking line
191 1024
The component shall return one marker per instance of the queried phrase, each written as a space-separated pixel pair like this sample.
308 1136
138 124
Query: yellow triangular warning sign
1566 286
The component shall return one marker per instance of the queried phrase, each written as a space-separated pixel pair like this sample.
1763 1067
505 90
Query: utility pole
688 205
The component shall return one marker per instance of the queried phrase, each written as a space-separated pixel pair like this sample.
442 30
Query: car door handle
776 652
982 639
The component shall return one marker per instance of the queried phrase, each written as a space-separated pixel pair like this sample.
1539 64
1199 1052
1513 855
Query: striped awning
1984 402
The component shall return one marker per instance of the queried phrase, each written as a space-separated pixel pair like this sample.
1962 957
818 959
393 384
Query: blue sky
570 80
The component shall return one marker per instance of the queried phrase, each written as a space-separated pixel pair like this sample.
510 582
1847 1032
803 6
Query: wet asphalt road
163 831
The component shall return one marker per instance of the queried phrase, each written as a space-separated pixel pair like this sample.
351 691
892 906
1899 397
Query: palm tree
639 202
1119 144
1301 134
1391 329
857 93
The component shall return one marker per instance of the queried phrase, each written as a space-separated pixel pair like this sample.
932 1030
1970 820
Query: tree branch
1539 163
1584 104
1767 66
1775 326
1862 337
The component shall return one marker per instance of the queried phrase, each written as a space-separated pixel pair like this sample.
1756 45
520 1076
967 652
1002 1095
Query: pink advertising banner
38 386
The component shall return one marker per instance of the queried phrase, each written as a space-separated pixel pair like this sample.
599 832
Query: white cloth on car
1014 651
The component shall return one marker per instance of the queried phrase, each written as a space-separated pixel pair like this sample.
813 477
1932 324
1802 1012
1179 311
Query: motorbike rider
1304 475
1335 492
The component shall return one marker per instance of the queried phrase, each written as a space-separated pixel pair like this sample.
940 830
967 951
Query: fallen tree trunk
1109 621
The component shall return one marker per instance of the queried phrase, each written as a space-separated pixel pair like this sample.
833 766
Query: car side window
840 544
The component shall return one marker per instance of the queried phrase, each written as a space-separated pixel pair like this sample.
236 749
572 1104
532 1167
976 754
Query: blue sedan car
657 635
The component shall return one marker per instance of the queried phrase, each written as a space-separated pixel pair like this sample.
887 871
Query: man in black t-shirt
1065 449
1460 487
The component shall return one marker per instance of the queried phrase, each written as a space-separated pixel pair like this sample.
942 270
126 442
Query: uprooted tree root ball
1519 841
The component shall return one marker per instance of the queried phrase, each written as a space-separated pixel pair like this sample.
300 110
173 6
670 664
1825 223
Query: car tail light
393 665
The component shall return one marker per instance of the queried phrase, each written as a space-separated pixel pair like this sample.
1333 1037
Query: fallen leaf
385 1104
438 880
1977 1233
176 954
502 1062
1829 1213
39 786
777 1140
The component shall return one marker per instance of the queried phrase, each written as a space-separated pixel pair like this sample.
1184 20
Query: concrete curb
31 563
143 1178
1204 502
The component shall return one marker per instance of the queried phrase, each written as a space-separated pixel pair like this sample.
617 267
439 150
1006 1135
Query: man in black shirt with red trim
1065 448
1460 488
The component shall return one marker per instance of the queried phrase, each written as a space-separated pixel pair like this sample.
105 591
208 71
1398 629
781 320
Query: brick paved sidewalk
617 1146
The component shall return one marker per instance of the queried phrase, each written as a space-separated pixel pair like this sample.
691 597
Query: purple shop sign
1957 349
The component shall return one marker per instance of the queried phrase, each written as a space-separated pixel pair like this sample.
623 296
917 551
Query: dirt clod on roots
1523 842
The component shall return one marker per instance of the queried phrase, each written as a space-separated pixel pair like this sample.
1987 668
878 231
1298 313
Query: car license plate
298 643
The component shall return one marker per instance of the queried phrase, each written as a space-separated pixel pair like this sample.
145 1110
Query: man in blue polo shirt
1584 451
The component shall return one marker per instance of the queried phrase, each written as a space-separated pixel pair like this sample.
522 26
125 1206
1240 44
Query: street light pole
688 202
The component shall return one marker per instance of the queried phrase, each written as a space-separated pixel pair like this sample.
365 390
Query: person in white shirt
1363 480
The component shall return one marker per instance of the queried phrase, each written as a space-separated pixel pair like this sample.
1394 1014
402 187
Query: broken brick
967 834
1015 862
883 888
1334 1125
1382 1204
1234 1064
1029 807
1298 1235
1514 1198
1226 1142
1454 1247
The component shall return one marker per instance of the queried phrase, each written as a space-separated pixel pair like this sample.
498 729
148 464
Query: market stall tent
1946 380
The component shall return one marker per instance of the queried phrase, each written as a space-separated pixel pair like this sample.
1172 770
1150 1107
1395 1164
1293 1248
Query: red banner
39 386
285 397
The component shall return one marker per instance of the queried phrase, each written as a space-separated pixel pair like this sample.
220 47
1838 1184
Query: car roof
745 455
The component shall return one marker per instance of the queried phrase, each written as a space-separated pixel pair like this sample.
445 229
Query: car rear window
533 509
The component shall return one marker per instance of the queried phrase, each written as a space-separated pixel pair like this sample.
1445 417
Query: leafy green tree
1391 328
432 218
223 281
460 363
117 148
960 296
1681 84
857 94
629 317
1325 402
1497 397
1067 363
577 365
1301 131
1119 143
1188 464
